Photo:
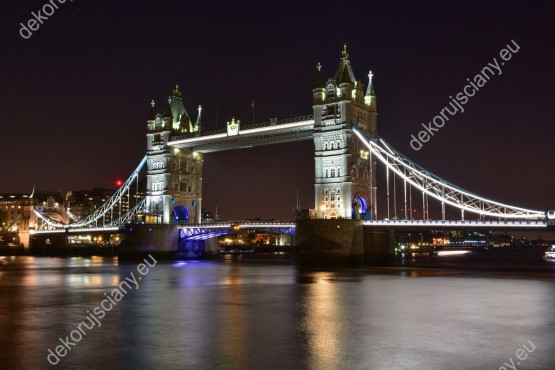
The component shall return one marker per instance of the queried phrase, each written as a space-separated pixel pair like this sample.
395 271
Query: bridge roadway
188 231
80 230
206 231
269 132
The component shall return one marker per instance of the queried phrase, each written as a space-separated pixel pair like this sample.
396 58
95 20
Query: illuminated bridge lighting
207 231
525 224
440 189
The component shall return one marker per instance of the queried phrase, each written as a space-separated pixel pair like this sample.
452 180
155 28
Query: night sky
75 95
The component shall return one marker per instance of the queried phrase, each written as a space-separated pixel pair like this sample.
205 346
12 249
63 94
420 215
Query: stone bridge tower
345 172
174 176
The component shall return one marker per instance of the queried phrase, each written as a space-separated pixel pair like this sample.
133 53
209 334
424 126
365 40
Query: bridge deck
81 230
396 224
271 132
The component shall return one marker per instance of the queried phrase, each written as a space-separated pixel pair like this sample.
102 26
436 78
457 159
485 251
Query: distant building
207 217
255 237
19 208
83 202
14 203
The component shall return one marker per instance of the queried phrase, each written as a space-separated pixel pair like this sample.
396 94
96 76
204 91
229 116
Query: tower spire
176 92
152 111
344 73
318 81
344 53
198 117
370 96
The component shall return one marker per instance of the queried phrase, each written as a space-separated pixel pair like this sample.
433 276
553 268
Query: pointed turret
344 76
370 88
152 111
319 83
370 97
177 109
319 91
344 54
344 73
198 124
176 92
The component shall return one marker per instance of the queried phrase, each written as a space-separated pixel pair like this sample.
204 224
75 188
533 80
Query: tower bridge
345 180
347 150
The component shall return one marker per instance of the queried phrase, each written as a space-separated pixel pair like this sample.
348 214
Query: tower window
157 186
331 91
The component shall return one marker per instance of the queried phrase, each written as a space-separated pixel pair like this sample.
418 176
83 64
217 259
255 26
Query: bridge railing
244 224
77 230
501 223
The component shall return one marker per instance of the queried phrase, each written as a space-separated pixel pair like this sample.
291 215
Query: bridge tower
345 173
174 176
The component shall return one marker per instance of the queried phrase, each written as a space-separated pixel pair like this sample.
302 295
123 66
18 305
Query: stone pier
163 242
341 243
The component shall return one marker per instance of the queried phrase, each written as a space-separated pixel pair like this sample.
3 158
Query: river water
235 315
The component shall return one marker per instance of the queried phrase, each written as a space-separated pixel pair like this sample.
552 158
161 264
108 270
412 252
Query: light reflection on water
323 322
210 315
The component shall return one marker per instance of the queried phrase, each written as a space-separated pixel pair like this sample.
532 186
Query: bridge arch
180 214
360 207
